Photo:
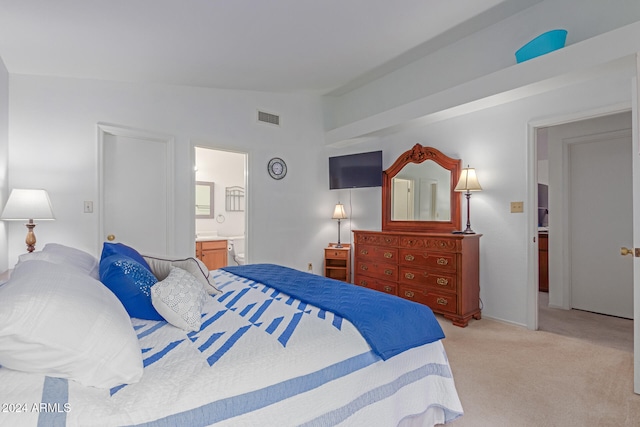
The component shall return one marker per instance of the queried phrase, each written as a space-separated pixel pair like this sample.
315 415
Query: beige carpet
596 328
507 375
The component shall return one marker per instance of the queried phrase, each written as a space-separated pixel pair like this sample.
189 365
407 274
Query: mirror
204 199
417 192
421 192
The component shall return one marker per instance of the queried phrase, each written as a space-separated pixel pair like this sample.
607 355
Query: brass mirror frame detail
419 154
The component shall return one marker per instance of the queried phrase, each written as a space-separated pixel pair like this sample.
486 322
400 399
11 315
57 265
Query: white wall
495 142
4 158
52 141
479 55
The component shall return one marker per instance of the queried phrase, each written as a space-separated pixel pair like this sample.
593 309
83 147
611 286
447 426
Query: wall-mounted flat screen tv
356 170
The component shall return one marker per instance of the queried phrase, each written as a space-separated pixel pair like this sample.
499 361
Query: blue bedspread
389 324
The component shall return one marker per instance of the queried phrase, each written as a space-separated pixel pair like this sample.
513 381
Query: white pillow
160 267
75 257
59 322
179 299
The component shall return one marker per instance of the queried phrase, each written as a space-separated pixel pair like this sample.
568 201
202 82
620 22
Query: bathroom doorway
221 206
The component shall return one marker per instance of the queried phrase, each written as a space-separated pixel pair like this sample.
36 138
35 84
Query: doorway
225 172
136 189
590 217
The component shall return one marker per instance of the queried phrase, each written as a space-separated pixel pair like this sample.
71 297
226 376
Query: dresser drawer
439 302
431 278
331 253
377 239
440 244
374 269
376 284
379 253
446 261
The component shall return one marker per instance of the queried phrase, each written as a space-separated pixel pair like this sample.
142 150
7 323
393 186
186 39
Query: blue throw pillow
109 249
131 283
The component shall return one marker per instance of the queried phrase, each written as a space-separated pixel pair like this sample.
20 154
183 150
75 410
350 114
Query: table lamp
468 182
28 205
339 214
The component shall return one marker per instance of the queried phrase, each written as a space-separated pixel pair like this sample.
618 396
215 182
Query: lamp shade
468 181
338 212
27 204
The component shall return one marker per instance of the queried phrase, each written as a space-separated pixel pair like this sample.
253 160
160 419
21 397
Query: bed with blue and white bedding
263 357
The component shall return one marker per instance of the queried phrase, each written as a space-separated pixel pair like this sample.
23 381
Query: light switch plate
517 207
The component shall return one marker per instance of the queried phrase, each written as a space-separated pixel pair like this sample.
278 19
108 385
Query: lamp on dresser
339 214
468 182
28 205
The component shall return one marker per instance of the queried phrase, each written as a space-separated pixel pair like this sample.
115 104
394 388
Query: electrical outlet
310 267
517 207
88 207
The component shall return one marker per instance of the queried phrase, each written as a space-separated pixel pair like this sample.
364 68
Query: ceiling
324 46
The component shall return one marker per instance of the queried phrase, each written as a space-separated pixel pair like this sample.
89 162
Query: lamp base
466 231
31 237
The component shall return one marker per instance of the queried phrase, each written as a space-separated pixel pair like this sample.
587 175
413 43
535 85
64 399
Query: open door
636 228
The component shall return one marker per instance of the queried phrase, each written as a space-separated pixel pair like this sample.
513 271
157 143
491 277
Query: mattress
261 358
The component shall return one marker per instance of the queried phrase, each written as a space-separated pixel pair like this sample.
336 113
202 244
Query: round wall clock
277 168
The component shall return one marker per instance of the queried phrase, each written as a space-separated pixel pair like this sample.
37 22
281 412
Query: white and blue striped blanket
261 358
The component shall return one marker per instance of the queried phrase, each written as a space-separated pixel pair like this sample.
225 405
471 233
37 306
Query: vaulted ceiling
322 46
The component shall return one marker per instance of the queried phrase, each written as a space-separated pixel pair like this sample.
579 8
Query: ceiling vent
272 119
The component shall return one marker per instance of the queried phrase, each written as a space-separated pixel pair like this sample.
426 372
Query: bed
260 352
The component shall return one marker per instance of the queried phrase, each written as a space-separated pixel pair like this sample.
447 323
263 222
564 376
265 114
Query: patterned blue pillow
131 283
109 249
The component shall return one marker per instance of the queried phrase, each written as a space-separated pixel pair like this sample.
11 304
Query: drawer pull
364 267
387 240
388 272
388 254
442 281
388 288
442 301
363 283
409 294
409 257
442 261
364 252
409 275
336 253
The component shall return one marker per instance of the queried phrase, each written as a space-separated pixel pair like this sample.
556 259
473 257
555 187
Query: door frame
247 199
104 129
531 211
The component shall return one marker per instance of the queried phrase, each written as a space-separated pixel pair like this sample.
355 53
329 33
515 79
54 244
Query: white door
136 189
403 199
600 206
635 152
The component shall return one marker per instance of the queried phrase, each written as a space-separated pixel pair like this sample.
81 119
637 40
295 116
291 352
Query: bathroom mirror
417 192
204 199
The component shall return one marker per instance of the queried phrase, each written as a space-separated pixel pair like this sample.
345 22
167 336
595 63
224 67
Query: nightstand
337 262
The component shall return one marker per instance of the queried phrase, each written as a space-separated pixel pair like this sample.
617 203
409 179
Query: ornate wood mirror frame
419 154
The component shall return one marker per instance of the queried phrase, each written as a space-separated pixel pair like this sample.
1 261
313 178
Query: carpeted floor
596 328
507 375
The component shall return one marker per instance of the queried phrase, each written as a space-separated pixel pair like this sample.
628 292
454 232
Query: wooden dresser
543 261
440 270
213 253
